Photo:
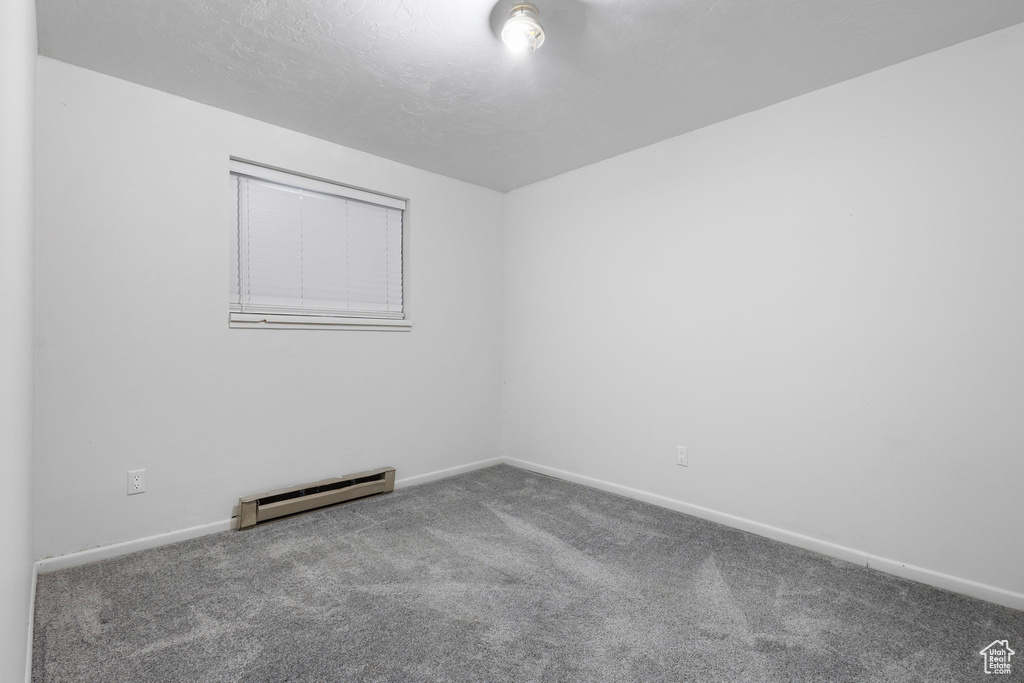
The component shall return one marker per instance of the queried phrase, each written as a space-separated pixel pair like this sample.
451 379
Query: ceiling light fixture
523 32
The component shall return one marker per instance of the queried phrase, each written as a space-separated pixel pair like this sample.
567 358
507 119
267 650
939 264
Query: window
309 253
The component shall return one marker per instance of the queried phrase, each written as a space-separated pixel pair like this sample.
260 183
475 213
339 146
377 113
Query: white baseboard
955 584
31 622
448 472
52 564
105 552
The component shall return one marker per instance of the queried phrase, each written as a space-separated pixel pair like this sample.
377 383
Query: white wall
137 367
17 92
822 299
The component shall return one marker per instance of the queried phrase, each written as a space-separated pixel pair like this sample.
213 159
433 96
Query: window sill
313 322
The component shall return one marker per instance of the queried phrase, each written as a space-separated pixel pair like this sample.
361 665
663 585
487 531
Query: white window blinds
308 247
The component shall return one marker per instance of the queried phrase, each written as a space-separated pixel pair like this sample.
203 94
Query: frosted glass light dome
522 32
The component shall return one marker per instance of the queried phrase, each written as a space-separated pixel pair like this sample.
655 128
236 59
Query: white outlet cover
682 457
136 482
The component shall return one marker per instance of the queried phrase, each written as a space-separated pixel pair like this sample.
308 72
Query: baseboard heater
265 507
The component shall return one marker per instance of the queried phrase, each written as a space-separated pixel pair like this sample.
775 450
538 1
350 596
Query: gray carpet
501 575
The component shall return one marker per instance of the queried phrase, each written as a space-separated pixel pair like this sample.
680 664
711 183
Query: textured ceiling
429 83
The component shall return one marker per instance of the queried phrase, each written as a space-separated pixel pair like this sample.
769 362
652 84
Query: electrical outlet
682 458
136 482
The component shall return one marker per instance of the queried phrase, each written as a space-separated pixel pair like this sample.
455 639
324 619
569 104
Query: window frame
318 321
